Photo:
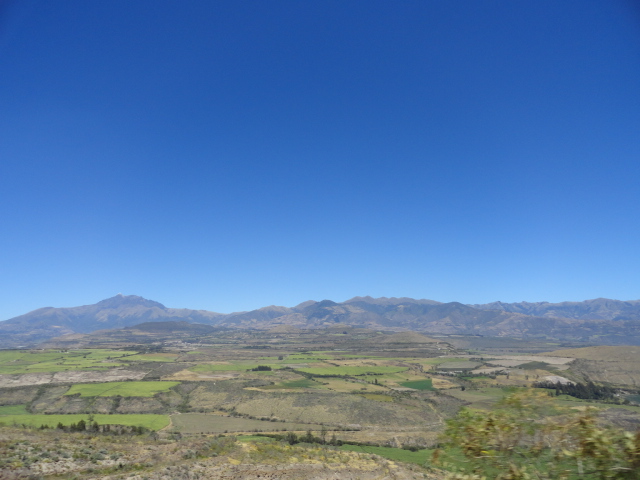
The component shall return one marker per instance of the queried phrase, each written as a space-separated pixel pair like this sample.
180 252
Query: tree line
583 391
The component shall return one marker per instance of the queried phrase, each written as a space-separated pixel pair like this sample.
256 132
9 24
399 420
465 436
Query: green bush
530 436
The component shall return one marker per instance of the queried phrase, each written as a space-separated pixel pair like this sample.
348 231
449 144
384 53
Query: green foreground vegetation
530 435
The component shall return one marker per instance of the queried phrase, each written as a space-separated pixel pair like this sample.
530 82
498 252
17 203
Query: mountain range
600 321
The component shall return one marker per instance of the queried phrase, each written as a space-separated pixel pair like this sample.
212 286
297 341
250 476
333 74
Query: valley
171 383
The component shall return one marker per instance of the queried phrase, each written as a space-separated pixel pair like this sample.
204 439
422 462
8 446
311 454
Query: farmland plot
26 361
123 389
150 421
201 423
351 370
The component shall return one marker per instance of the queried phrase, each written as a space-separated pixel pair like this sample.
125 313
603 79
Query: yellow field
343 386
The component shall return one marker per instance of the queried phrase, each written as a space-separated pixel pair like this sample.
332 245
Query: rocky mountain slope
598 321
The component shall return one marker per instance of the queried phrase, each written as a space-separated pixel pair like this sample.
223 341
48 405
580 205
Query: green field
397 454
351 370
336 354
124 389
13 410
25 361
307 357
425 384
150 421
154 357
227 367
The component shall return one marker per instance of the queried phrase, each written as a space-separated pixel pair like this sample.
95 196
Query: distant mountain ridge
596 309
115 312
597 321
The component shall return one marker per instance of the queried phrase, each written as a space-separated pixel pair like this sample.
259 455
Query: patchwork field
26 361
350 390
301 380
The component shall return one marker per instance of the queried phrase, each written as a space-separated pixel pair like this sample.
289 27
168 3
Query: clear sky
228 155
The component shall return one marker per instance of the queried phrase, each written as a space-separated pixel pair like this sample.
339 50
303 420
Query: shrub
530 436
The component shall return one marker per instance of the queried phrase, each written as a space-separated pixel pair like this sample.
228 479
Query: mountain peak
121 300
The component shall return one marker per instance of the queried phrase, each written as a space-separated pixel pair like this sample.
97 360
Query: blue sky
231 155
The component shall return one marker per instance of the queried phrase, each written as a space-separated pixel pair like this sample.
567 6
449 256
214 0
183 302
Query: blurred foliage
530 436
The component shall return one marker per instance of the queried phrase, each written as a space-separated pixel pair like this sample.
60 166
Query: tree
323 434
308 438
